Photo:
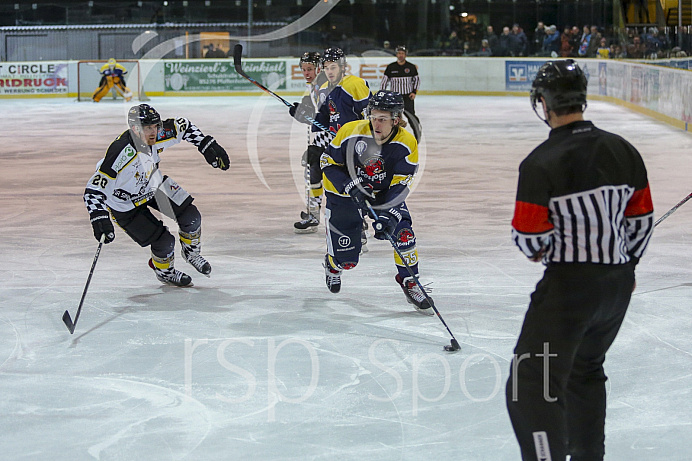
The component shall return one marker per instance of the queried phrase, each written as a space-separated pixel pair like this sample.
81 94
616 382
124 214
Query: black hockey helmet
562 84
313 57
334 54
389 101
143 114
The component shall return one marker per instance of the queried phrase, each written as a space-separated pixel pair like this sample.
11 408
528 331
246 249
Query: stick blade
67 320
237 54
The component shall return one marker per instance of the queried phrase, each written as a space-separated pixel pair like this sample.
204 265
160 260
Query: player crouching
372 161
128 182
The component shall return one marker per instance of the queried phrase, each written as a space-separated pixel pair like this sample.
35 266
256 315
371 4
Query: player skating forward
373 160
583 206
128 182
112 75
311 68
342 99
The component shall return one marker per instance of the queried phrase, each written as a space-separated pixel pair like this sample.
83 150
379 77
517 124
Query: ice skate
307 225
414 295
333 275
197 261
170 275
192 249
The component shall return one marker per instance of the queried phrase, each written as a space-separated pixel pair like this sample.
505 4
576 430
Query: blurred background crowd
609 29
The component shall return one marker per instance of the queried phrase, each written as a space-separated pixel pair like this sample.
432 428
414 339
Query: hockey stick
66 316
672 210
454 343
237 54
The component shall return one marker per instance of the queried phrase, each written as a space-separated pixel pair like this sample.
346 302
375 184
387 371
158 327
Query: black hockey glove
214 154
102 226
301 110
386 223
314 155
360 194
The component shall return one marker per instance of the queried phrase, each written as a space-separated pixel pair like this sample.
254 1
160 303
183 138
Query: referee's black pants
555 393
410 112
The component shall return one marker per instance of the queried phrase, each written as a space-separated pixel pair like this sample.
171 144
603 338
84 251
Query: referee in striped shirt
402 77
584 208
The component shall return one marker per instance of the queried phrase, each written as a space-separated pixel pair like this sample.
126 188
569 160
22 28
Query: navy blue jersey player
374 161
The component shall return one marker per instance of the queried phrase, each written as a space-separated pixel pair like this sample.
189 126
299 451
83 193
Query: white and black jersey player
128 183
311 68
584 208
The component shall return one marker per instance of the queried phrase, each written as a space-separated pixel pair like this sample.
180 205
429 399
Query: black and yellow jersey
389 168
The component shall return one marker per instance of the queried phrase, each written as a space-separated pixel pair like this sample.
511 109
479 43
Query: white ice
261 361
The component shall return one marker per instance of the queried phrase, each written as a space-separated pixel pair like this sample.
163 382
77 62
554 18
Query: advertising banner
220 75
28 78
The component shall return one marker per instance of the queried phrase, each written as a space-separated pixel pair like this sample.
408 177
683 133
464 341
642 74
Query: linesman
402 76
584 208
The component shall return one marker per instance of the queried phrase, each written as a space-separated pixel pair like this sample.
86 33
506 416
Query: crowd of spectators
572 41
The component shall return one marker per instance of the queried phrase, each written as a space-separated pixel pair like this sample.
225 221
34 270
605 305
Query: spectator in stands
493 41
566 43
538 38
654 43
686 40
518 43
636 49
584 42
484 50
503 49
603 51
551 43
575 41
594 42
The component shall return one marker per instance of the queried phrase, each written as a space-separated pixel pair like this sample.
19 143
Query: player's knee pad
404 237
189 219
164 246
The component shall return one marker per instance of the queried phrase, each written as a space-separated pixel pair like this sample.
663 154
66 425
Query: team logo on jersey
407 70
344 241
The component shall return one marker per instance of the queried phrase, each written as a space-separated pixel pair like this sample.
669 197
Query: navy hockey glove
360 194
301 110
214 154
102 226
385 223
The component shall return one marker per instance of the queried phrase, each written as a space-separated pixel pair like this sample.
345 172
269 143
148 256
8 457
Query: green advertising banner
219 75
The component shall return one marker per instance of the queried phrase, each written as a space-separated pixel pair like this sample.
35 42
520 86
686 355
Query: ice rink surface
261 361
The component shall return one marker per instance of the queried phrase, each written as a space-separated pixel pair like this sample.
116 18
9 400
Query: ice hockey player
372 161
113 75
342 99
584 208
128 183
311 68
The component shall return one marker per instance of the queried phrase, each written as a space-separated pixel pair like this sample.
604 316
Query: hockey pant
556 393
147 230
344 222
108 82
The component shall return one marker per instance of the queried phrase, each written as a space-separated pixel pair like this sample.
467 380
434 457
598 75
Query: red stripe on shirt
530 218
640 203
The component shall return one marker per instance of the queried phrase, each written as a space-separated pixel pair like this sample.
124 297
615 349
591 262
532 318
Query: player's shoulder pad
121 67
120 153
351 129
104 68
356 87
407 140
